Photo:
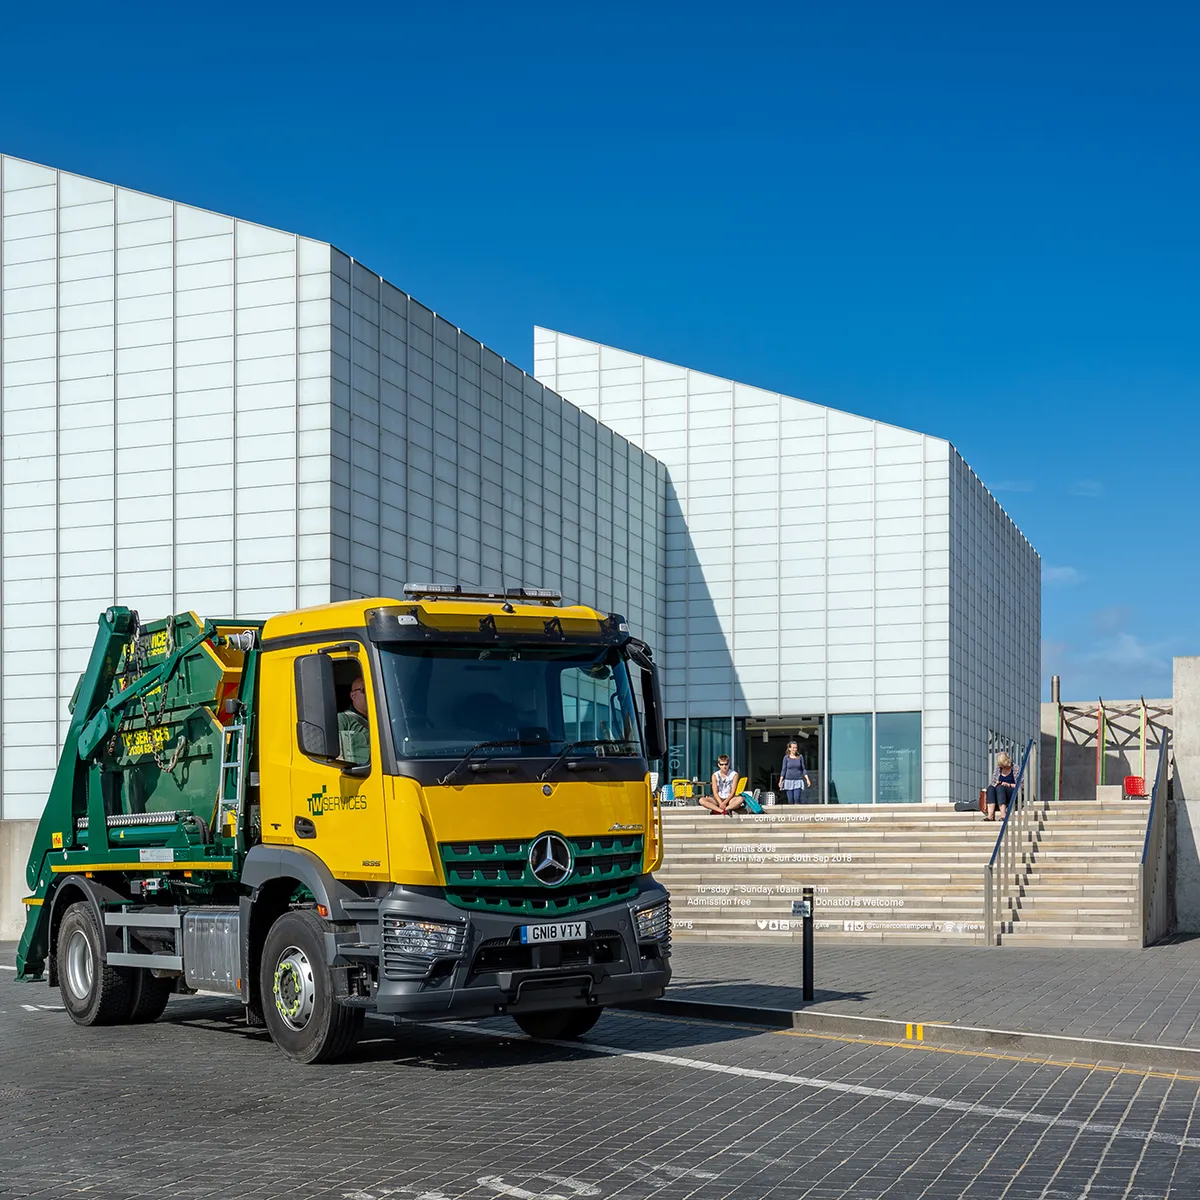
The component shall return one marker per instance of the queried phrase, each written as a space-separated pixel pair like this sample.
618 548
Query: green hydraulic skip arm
83 787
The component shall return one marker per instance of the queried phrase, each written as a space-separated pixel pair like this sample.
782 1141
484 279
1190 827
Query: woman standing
793 778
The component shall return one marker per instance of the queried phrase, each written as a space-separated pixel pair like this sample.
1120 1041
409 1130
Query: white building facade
198 412
830 579
201 413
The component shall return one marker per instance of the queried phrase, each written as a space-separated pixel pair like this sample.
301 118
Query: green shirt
354 736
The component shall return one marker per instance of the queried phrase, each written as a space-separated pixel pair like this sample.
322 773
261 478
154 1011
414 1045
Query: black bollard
804 909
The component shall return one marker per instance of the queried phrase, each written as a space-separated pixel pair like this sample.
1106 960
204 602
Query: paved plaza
197 1106
1150 995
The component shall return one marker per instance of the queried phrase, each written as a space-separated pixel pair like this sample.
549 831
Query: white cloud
1127 650
1100 657
1112 619
1061 576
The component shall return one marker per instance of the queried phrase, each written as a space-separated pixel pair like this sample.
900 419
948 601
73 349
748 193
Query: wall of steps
1078 883
882 873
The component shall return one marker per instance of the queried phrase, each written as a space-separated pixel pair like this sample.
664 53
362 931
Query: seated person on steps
724 799
354 731
1002 788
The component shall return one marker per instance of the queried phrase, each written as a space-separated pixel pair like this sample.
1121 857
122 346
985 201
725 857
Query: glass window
676 749
850 758
710 737
898 758
443 700
594 708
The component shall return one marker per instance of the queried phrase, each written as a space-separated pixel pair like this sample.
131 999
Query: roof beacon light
432 589
455 591
546 595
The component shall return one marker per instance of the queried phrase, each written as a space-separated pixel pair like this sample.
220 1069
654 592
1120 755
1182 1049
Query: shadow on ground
750 992
442 1047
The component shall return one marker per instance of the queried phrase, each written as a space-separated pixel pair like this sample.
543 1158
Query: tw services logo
319 803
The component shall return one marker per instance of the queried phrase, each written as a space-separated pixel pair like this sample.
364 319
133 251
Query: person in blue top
793 778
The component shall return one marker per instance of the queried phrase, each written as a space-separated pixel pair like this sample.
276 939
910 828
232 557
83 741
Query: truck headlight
654 923
422 939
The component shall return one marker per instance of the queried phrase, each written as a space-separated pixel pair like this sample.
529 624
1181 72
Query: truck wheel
558 1024
93 992
303 1018
150 997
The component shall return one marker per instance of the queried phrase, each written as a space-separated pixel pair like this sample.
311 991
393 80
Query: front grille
502 954
496 876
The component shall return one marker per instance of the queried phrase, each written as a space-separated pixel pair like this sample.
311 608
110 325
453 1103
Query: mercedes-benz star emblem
551 860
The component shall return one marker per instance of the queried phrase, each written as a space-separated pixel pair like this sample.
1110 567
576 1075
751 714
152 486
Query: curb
938 1034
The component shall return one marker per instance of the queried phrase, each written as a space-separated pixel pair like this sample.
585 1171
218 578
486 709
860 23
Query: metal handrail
1153 916
1158 774
656 831
1015 804
1005 850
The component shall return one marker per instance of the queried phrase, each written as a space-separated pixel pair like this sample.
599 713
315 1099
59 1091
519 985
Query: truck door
338 808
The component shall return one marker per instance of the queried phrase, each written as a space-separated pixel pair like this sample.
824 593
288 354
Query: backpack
752 804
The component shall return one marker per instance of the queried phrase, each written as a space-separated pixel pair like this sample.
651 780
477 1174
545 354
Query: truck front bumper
495 973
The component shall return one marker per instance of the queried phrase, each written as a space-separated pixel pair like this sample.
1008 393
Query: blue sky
979 222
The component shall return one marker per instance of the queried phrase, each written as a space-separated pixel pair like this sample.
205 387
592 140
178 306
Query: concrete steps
1079 877
899 874
890 874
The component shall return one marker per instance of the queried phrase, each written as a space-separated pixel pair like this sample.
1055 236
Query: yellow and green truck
430 808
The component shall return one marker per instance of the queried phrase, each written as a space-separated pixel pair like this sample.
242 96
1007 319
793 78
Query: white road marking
496 1183
31 1008
642 1165
850 1089
379 1193
646 1170
4 968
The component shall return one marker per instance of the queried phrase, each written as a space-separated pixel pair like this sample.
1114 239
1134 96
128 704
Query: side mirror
316 708
656 726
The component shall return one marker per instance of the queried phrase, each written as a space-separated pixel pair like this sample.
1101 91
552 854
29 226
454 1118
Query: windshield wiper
470 754
570 748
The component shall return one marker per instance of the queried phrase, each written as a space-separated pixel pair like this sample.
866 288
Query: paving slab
197 1106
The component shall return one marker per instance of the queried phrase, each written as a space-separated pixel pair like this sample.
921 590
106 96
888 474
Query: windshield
443 700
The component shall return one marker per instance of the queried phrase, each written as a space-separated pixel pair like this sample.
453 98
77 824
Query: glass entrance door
766 744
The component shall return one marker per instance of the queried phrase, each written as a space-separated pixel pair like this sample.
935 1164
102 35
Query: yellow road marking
914 1045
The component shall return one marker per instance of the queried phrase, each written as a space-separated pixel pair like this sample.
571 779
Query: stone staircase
885 873
1078 884
901 874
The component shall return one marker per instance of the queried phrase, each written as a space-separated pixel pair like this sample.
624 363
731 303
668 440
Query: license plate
560 931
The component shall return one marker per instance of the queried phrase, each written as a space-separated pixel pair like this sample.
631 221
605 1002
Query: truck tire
93 993
149 997
303 1018
558 1024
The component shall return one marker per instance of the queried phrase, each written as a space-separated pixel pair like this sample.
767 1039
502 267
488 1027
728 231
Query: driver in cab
354 731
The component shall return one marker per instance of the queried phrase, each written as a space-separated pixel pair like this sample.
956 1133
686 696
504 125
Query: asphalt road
197 1105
